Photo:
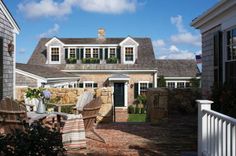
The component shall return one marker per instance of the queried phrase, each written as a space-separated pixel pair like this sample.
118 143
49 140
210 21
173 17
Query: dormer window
87 53
129 54
55 55
72 53
95 52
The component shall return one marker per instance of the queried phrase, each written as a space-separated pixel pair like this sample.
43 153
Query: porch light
10 48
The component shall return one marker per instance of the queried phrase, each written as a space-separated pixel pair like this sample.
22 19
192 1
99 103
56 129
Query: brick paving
172 137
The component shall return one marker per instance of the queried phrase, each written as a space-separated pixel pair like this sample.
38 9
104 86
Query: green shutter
78 53
150 85
106 53
81 53
135 90
118 54
95 85
81 85
66 53
101 53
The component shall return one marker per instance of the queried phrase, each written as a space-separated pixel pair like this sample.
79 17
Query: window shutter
78 53
81 85
135 90
106 53
95 85
81 53
101 53
66 53
118 54
150 85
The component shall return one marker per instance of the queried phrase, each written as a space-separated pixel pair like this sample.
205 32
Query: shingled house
218 29
128 65
8 31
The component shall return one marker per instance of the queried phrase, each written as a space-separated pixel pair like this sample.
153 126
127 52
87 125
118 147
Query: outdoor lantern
11 47
132 85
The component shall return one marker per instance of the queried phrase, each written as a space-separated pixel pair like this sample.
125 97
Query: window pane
112 52
72 53
129 56
229 38
171 84
234 36
231 73
143 88
233 52
55 54
87 53
180 84
95 53
88 85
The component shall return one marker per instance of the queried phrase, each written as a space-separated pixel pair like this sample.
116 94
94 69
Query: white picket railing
216 132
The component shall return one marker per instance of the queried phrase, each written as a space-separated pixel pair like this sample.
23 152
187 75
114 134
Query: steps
121 115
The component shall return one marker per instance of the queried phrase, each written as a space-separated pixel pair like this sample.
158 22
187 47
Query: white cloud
178 22
184 36
173 48
159 43
22 51
53 8
51 32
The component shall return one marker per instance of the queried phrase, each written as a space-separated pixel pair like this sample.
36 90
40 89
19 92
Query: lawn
137 118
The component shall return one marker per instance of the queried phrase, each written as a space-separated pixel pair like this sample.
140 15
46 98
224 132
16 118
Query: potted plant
37 97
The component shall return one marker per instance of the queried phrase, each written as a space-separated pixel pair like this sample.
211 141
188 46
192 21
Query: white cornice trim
31 75
109 71
213 12
54 38
179 78
129 38
10 18
118 79
91 45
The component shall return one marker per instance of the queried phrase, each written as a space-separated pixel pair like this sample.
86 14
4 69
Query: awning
118 77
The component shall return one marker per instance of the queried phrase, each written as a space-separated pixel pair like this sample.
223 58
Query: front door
119 94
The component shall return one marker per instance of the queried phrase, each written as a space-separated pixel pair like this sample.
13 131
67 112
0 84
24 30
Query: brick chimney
101 33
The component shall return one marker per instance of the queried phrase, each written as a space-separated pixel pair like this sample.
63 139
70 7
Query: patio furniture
12 115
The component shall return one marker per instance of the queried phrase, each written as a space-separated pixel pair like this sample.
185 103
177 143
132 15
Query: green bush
194 82
35 140
67 109
90 60
131 109
161 82
224 100
112 60
71 60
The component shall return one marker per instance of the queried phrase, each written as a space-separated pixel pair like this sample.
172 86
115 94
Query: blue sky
166 22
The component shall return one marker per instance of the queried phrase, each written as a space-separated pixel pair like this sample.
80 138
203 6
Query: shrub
35 140
71 60
131 109
161 81
90 60
112 60
195 83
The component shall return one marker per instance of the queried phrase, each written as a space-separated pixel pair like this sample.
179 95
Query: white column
126 94
103 54
202 125
155 80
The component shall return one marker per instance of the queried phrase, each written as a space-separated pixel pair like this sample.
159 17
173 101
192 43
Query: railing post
202 125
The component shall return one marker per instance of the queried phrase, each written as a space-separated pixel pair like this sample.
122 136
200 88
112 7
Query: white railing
216 132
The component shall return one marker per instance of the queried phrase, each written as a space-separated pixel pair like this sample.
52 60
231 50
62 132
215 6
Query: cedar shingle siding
6 59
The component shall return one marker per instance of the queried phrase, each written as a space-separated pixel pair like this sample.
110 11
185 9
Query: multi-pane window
88 85
72 53
87 53
54 54
231 44
171 84
129 54
180 85
143 88
95 53
112 52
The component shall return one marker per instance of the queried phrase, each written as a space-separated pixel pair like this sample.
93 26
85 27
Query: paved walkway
173 137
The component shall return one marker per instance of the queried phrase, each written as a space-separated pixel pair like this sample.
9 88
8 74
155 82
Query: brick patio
174 136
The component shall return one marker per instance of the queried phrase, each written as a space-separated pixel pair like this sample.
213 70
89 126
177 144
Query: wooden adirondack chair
12 115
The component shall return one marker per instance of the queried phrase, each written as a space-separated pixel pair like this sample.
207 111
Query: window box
90 60
71 60
112 60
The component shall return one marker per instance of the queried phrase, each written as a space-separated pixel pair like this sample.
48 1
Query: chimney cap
101 33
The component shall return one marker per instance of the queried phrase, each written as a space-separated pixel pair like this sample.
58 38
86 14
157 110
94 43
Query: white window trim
50 55
86 82
98 52
176 83
75 51
134 54
147 82
109 49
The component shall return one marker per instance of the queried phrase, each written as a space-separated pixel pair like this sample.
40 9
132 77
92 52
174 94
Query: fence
216 132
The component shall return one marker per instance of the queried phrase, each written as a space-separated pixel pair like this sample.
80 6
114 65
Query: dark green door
119 94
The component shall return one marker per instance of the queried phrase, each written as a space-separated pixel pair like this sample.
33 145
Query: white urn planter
34 102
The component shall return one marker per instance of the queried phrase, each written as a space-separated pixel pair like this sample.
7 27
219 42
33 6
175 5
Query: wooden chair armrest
27 104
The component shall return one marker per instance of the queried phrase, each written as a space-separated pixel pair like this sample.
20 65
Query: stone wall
7 64
22 80
69 96
208 60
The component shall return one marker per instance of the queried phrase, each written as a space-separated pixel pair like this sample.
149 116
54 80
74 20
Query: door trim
125 93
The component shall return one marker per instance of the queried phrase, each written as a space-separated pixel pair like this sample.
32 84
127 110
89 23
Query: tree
161 81
195 83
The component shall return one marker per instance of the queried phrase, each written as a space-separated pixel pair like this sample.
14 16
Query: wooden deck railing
216 132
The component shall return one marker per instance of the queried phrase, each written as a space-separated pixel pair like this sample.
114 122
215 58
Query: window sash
129 54
95 53
72 53
55 54
231 44
112 52
87 53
